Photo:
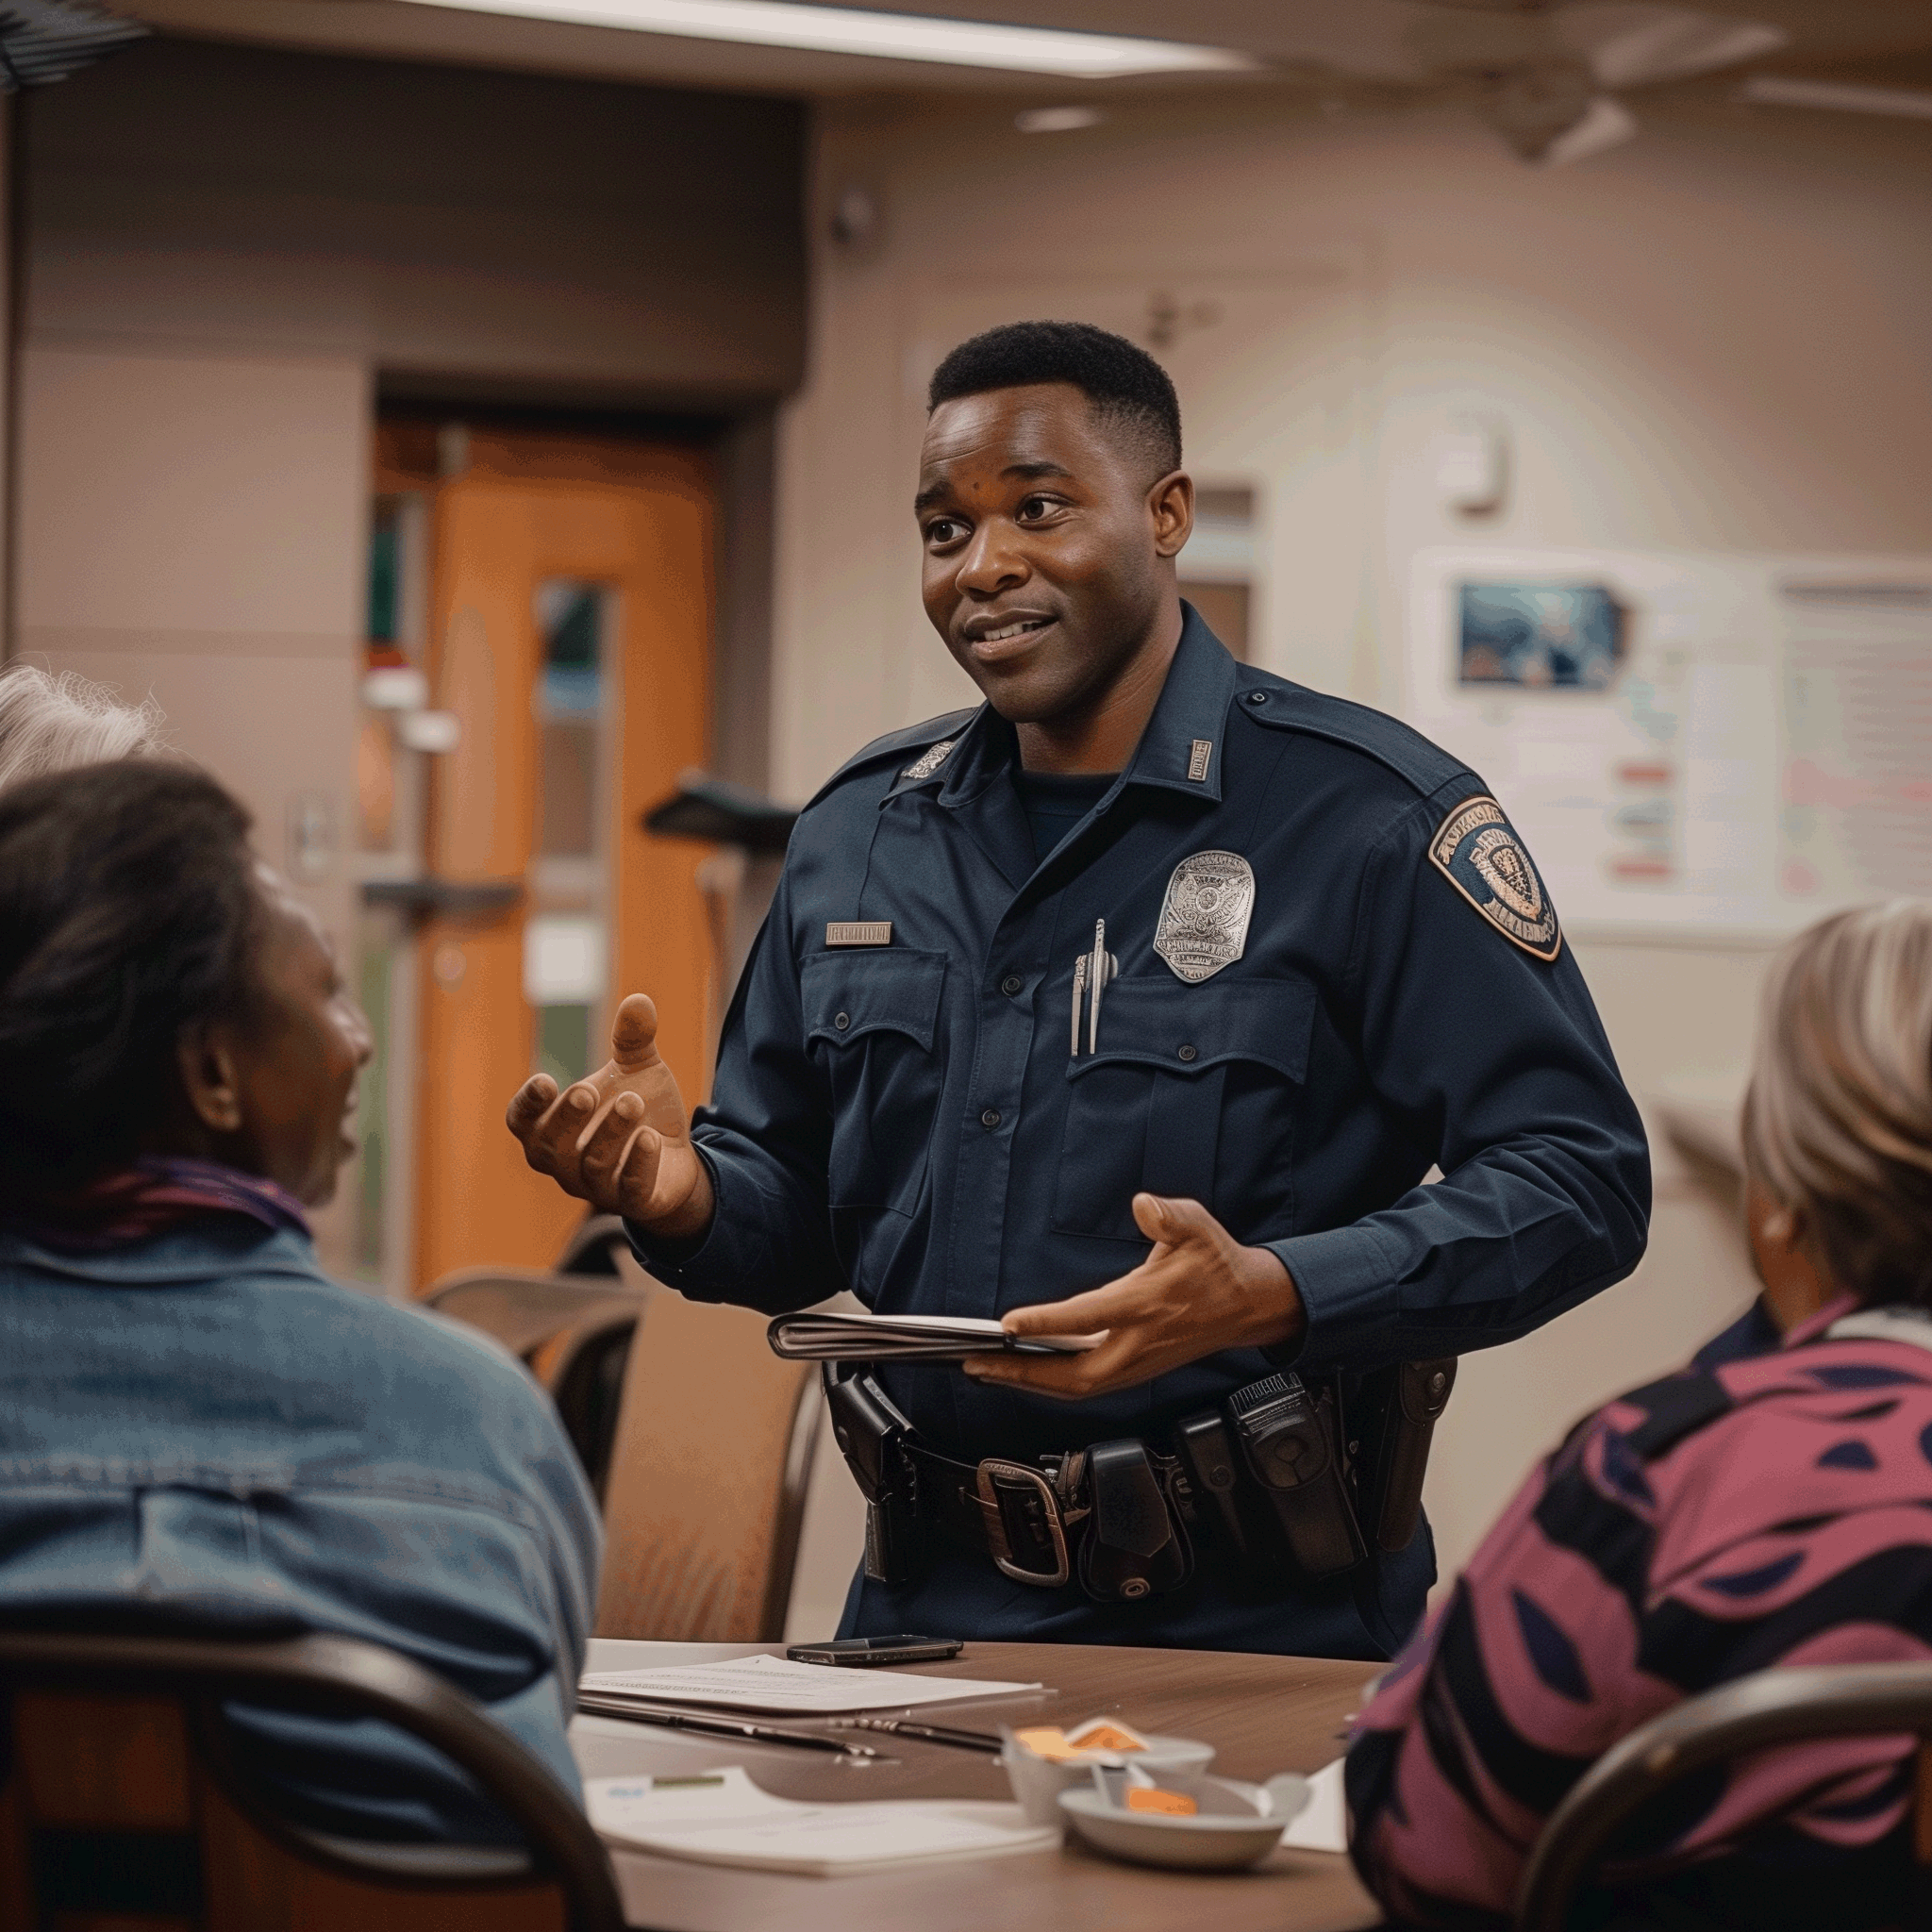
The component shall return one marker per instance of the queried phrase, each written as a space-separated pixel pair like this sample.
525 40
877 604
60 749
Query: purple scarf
152 1195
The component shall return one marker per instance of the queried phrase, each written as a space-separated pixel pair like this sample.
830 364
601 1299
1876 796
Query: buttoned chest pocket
1193 1093
872 1021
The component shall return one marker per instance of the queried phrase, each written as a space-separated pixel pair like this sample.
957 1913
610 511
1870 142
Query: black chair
574 1327
1770 1707
574 1330
122 1800
594 1247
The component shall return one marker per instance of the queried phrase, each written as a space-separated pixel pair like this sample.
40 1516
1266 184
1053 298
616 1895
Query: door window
565 948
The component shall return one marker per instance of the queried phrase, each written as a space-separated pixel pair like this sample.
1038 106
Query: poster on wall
1692 742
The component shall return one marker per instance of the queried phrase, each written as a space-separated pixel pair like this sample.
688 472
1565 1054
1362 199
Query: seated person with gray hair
1772 1509
197 1426
52 721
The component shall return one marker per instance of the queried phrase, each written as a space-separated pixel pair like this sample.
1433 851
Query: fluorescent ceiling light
1846 97
880 36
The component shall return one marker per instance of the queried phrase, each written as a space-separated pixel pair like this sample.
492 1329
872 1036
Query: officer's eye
942 530
1035 507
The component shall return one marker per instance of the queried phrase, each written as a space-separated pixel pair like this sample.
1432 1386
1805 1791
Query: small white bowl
1037 1782
1236 1826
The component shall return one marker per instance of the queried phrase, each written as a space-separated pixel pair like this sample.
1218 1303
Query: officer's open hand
1199 1291
620 1138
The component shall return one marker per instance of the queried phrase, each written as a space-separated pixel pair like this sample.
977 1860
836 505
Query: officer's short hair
1838 1120
1129 388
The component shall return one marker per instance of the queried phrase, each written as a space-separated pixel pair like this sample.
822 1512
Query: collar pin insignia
928 762
1197 758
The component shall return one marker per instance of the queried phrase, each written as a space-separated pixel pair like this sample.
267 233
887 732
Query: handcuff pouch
1135 1545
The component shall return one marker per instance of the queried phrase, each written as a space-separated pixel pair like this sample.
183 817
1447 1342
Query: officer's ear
1171 506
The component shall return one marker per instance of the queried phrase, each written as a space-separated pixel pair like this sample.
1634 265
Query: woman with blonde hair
1775 1509
54 721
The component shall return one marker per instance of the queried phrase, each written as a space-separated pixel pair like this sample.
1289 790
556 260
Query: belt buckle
991 1473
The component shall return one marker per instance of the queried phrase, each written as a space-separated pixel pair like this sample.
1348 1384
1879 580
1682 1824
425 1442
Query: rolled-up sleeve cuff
1347 1288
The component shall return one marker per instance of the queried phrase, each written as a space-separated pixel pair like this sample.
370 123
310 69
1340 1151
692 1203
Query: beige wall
191 527
1713 338
515 234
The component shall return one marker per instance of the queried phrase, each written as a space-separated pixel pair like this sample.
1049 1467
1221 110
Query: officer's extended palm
620 1138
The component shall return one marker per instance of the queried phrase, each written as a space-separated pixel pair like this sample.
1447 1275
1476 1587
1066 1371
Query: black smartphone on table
867 1651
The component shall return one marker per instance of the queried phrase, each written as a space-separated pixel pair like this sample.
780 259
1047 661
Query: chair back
523 1307
598 1246
120 1806
1755 1713
706 1496
584 1369
573 1333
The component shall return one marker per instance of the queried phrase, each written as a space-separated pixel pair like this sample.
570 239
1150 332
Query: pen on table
712 1724
986 1742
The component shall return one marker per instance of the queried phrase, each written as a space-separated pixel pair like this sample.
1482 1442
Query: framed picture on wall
1539 636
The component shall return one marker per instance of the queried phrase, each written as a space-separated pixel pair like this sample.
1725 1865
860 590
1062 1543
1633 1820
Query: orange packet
1048 1742
1169 1804
1097 1734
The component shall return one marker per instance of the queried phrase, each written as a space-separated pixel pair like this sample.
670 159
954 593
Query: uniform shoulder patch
1477 851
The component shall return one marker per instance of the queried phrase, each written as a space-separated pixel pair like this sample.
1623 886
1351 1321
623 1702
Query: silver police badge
928 762
1479 853
1203 918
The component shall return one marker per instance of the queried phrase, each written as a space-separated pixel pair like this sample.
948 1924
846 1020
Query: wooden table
1263 1714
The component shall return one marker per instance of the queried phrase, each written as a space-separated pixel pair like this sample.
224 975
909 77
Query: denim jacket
203 1427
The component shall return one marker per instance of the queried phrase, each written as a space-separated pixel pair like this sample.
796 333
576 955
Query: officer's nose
992 561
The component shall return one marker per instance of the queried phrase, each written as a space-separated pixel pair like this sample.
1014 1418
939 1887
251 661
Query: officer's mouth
1013 636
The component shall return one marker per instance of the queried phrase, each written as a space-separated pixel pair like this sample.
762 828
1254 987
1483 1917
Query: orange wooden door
571 636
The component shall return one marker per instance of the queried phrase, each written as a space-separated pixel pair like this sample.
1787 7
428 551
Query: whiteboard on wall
1690 743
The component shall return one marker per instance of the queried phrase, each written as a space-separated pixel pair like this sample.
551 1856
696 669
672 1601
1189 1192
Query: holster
1401 1406
873 1436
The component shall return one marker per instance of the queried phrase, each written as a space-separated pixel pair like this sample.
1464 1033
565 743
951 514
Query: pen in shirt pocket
1091 972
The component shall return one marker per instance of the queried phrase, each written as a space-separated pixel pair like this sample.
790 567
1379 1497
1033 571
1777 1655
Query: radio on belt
1287 1435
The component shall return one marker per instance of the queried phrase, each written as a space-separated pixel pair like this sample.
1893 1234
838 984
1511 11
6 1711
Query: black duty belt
1115 1516
1271 1472
1025 1517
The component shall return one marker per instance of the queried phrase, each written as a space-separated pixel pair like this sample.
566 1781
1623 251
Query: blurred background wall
277 301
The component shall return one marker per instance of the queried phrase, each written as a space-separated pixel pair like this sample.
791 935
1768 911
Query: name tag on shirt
858 932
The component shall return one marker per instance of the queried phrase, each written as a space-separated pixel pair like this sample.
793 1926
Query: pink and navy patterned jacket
1778 1510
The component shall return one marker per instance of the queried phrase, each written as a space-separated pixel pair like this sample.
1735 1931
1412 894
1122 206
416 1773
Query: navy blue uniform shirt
908 1119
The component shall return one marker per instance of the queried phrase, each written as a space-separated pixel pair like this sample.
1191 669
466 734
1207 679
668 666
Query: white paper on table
720 1818
777 1685
1321 1824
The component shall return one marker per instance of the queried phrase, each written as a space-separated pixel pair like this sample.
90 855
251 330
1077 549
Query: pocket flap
1158 1022
893 990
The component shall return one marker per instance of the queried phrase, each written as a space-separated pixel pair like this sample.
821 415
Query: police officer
1137 1002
